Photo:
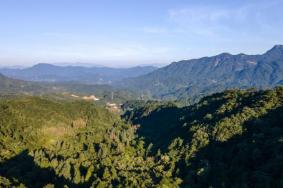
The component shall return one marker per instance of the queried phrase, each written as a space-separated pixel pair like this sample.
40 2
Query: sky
131 32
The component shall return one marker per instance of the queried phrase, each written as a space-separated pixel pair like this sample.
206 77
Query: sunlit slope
30 122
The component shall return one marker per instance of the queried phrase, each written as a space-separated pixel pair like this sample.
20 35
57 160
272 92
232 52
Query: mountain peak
225 54
278 46
43 65
276 51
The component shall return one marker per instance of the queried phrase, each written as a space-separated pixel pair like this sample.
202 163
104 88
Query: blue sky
130 32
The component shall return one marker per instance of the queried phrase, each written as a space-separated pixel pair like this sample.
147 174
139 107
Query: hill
89 75
199 77
228 139
13 86
76 144
105 93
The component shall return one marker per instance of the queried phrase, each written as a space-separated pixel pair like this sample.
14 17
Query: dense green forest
228 139
76 144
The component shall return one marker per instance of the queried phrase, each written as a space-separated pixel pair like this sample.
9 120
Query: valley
141 94
72 134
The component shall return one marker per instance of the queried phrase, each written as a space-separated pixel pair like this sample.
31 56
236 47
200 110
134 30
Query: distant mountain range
80 74
197 77
180 80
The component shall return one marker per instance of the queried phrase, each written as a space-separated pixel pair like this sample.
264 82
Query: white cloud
212 20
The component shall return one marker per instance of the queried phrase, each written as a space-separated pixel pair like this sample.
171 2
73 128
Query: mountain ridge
93 75
212 74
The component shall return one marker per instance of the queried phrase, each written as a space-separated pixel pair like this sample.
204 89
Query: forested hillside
228 139
141 94
105 93
8 86
77 144
196 78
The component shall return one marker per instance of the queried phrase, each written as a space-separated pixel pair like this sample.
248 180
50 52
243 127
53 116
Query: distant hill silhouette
90 75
